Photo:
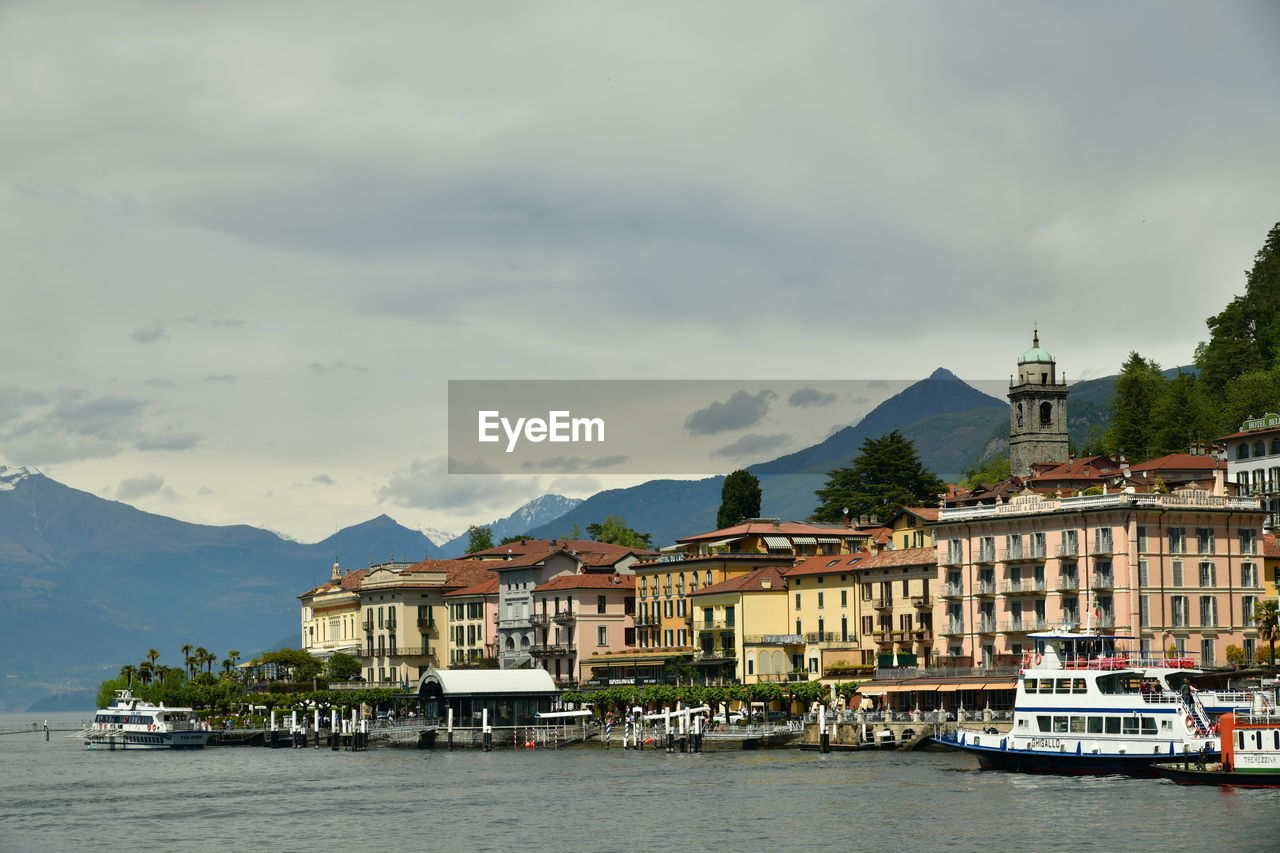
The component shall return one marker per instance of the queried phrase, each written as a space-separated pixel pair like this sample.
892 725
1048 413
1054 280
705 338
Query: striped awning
804 540
777 542
828 540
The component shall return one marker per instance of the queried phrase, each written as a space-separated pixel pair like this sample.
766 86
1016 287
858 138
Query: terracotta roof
1085 468
1180 462
828 564
488 587
769 528
777 557
1251 433
928 513
1271 545
546 546
903 557
348 582
596 581
750 582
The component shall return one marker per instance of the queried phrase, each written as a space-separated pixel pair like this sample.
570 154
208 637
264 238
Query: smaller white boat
131 723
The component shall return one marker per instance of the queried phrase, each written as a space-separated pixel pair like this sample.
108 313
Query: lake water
58 796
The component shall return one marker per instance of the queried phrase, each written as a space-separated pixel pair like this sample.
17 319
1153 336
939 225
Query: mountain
539 511
949 420
92 584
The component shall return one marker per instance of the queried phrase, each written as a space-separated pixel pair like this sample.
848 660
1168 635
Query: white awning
777 542
828 540
719 542
558 715
804 540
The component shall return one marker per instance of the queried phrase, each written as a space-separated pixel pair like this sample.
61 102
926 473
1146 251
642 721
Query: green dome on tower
1035 354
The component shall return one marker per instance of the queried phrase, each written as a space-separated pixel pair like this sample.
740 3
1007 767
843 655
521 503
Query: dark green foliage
507 540
1249 395
294 664
1137 391
342 666
992 471
886 476
739 499
479 539
614 531
1182 415
1245 336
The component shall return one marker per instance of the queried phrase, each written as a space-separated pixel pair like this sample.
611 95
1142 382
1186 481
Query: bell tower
1037 412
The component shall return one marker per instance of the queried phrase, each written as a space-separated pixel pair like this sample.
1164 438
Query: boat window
1064 685
1046 685
1078 686
1060 724
1129 726
1239 740
1095 725
1276 733
1113 725
1166 724
1078 725
1043 723
1029 685
1148 725
1022 724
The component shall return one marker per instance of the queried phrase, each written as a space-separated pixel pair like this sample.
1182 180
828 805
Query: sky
246 246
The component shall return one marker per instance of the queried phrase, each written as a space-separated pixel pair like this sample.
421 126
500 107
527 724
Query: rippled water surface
60 796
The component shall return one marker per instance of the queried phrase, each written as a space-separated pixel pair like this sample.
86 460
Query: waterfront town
928 609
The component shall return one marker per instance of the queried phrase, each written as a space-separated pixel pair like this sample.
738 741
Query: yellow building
331 614
726 615
824 612
910 527
897 591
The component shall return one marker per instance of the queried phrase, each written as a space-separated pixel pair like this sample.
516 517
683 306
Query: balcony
1021 555
516 622
951 558
985 555
922 635
539 620
714 625
368 624
394 651
566 617
882 603
783 677
921 601
985 588
1067 582
778 639
1071 550
1102 549
883 638
986 626
953 590
427 627
1024 585
715 654
1018 626
551 650
955 626
648 620
1103 580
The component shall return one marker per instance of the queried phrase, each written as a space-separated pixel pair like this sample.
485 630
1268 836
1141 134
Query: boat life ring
1191 722
1038 658
1026 660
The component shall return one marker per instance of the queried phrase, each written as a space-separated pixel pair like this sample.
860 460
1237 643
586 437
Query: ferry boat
131 723
1250 751
1084 706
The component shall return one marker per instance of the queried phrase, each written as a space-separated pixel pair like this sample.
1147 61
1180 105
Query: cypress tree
739 499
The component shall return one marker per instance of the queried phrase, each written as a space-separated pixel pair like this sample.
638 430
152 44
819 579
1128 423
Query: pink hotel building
1178 570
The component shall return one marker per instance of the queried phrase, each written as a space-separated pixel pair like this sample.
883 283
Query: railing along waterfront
934 673
1036 505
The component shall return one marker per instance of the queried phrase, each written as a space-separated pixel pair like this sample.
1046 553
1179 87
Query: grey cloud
205 491
158 383
14 400
214 318
740 411
806 397
171 441
581 485
149 334
322 479
425 484
139 487
317 367
751 444
573 464
221 377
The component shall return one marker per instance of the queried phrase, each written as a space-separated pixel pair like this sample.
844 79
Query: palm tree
226 666
1266 614
145 671
198 658
128 671
186 655
153 656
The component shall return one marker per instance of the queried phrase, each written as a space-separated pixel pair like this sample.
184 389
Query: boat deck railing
1125 660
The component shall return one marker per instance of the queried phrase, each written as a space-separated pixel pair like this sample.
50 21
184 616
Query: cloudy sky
245 245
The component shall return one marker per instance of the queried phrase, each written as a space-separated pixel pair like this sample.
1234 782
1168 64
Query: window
1247 603
798 601
1144 611
1208 611
1142 539
668 638
1102 540
1178 608
601 604
602 635
1204 540
1144 573
1248 574
1177 540
1248 541
867 626
1208 574
1177 573
1207 652
1069 544
680 607
819 599
668 608
844 598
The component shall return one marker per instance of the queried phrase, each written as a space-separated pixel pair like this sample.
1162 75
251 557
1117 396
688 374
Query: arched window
511 643
1046 413
1275 444
1019 414
1242 451
1260 448
524 641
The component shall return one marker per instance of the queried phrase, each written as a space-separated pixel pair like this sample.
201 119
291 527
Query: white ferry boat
1084 706
131 723
1250 751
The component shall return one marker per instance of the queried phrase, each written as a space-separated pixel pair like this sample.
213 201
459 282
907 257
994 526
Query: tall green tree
614 531
1249 395
739 499
885 476
1182 414
1266 615
991 471
1245 335
479 539
1138 389
341 666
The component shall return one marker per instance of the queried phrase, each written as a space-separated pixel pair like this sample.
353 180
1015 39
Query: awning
950 688
777 542
720 542
1000 685
828 540
804 540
